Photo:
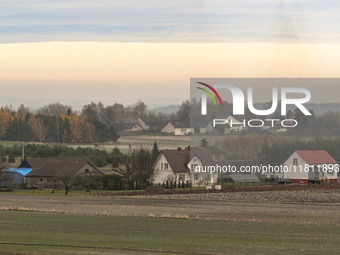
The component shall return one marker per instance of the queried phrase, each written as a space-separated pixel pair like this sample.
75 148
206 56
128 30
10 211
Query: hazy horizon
113 51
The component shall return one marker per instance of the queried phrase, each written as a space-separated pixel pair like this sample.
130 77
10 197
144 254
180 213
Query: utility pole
22 151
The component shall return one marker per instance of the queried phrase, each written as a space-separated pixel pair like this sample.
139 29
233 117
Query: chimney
179 148
188 147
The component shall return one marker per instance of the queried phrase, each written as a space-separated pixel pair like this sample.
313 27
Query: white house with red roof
311 166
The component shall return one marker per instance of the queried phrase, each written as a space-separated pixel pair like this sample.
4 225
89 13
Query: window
196 176
166 166
161 166
41 180
193 167
181 177
87 170
295 161
302 181
183 131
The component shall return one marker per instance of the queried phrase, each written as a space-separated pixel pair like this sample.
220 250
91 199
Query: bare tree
125 170
53 109
183 113
142 162
68 180
108 115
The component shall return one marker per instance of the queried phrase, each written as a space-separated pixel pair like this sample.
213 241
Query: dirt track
309 207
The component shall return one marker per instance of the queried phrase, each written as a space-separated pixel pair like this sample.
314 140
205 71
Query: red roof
316 157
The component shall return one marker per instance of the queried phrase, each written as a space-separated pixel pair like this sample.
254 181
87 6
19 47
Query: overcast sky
128 50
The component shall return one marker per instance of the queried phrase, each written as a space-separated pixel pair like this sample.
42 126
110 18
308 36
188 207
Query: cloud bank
211 21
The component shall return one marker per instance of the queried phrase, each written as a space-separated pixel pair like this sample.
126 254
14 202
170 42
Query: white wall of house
135 128
182 131
142 124
235 128
197 176
209 128
169 128
162 170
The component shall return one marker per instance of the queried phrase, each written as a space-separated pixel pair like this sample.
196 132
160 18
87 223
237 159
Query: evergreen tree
66 131
155 151
167 185
204 143
12 131
69 112
25 132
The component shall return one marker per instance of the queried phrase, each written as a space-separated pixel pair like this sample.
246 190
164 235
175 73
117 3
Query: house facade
180 165
150 124
177 128
128 127
44 169
310 166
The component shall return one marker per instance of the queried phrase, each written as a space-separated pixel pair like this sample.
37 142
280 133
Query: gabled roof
54 166
150 120
181 124
179 159
316 157
123 126
199 123
22 171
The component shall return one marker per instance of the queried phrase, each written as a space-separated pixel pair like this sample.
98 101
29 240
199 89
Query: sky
125 51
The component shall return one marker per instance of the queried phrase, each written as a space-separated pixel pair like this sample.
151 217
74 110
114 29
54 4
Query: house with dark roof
44 169
182 164
311 166
150 123
127 127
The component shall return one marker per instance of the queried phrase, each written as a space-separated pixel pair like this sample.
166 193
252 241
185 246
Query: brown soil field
307 207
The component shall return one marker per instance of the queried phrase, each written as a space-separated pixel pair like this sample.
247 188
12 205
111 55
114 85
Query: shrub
154 189
11 158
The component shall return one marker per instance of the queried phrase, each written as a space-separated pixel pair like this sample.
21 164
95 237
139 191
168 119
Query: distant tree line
277 152
271 149
99 157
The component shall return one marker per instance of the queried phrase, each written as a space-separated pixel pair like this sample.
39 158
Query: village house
44 169
236 127
150 123
311 166
180 164
128 127
177 128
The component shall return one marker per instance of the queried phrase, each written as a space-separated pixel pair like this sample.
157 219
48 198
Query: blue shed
18 175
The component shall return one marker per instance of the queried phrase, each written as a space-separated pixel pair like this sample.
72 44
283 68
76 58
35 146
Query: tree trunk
66 190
